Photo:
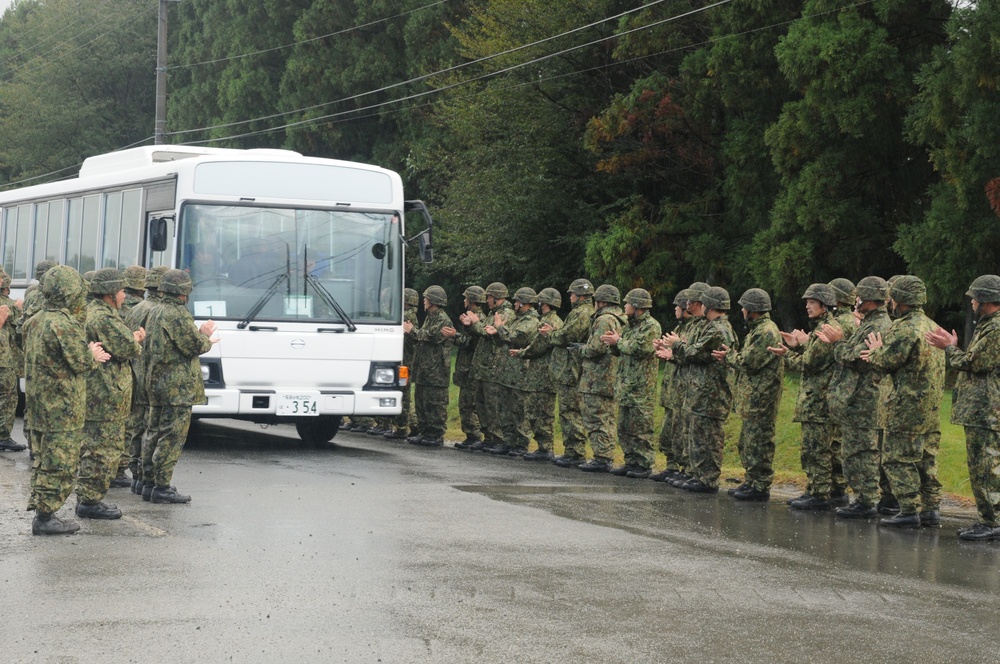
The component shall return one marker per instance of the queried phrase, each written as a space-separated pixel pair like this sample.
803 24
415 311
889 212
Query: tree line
769 143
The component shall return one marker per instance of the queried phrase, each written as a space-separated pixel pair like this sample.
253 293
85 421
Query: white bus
299 260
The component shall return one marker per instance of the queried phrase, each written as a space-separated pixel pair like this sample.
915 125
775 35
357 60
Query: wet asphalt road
372 551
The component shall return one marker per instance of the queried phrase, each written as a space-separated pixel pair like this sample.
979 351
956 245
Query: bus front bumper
279 403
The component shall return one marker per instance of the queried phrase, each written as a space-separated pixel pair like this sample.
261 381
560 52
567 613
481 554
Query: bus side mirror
425 248
158 233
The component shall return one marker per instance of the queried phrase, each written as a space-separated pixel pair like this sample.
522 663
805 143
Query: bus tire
318 430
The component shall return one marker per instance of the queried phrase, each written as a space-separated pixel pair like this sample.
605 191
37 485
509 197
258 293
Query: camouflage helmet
821 293
873 289
42 267
497 290
411 297
4 279
755 300
909 290
697 289
581 287
475 294
177 282
525 295
154 275
607 293
639 298
551 297
135 277
681 299
88 275
844 290
985 288
106 281
436 296
63 288
716 298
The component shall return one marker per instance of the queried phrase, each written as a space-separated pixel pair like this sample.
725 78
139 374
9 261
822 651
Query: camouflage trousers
100 454
135 427
513 417
53 472
166 432
635 435
706 440
983 449
861 462
756 448
406 419
8 401
910 463
432 409
601 422
838 477
574 435
816 455
673 439
467 409
488 403
540 418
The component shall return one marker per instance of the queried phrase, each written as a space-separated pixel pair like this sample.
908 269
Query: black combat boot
810 502
10 446
661 476
147 490
538 455
595 466
168 494
639 473
930 518
47 524
436 441
622 471
901 520
981 532
888 506
742 487
697 486
750 494
568 461
414 440
857 510
395 434
98 510
121 482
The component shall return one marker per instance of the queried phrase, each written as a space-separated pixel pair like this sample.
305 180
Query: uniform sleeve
895 351
187 338
982 355
73 347
115 337
431 331
699 350
595 348
640 345
575 330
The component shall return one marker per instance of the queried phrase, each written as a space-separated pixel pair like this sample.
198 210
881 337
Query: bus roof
125 160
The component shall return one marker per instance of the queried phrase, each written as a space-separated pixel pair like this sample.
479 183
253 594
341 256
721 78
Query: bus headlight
384 376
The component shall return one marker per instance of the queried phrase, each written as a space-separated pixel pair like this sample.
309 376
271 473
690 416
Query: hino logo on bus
298 343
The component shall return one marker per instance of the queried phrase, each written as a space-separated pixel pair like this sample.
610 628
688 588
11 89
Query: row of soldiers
872 372
110 381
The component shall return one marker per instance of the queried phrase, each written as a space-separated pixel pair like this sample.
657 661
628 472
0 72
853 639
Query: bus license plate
298 404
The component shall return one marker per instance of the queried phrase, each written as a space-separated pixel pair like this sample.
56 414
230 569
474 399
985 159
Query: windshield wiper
331 301
262 301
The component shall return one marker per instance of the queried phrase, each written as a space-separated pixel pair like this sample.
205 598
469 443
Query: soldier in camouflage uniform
815 361
57 359
539 380
710 396
173 383
670 400
11 362
854 396
597 379
462 376
759 382
912 426
135 427
845 292
486 362
515 335
109 395
635 383
565 366
404 424
135 287
432 366
34 302
977 402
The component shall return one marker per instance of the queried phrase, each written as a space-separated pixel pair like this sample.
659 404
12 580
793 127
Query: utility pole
160 124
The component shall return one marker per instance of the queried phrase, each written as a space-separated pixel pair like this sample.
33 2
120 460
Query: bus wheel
318 430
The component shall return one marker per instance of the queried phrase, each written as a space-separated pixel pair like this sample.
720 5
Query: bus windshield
279 264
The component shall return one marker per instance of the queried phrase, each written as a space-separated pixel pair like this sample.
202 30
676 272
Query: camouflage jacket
516 334
467 343
409 316
977 390
917 371
855 384
173 344
131 300
538 357
486 360
635 378
708 391
670 395
135 319
11 356
814 360
432 357
564 364
109 386
599 364
760 373
57 361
